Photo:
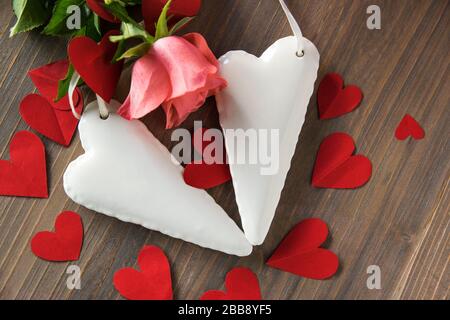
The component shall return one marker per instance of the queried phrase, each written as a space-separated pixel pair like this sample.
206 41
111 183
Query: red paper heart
206 176
46 80
336 167
25 175
409 127
153 282
299 252
334 100
98 7
94 64
179 9
62 245
240 284
55 124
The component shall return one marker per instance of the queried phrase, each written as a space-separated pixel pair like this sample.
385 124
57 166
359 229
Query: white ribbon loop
295 28
72 86
102 105
102 108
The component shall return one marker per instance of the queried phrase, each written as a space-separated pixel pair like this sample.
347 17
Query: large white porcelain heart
128 174
270 92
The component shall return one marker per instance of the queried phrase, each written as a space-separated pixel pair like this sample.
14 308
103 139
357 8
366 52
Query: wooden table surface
398 221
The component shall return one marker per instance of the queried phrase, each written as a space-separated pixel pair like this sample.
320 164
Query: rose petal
188 69
200 43
150 86
178 109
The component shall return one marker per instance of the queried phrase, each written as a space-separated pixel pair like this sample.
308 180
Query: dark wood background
399 221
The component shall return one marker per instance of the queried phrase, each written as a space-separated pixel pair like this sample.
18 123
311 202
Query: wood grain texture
399 221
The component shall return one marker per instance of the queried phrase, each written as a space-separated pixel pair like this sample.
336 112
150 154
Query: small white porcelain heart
128 174
270 92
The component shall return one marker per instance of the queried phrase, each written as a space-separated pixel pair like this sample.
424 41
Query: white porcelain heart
128 174
270 92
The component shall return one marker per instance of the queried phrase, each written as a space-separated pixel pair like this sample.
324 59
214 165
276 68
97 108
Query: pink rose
178 73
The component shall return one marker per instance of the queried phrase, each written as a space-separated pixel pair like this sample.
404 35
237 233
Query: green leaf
162 30
57 25
120 50
97 23
63 85
92 29
120 12
137 51
180 24
30 14
132 31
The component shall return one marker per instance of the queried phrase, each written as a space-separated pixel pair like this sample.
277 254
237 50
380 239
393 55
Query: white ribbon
295 28
102 108
72 86
102 105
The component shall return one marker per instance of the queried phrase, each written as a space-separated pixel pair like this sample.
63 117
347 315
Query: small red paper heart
97 6
153 282
336 167
240 284
206 176
62 245
25 175
334 100
94 64
299 252
179 9
55 124
46 80
409 127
